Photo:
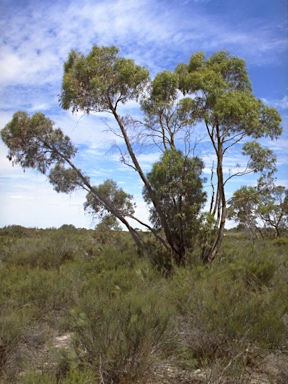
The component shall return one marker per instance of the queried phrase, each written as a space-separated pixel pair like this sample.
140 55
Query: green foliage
242 208
280 241
126 315
177 187
121 333
47 253
164 88
254 274
65 375
207 229
219 71
266 202
273 208
15 231
223 100
260 158
64 180
126 320
13 327
116 196
101 80
34 143
230 315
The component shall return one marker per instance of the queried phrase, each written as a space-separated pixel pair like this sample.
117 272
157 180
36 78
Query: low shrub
43 253
19 338
228 312
132 319
16 231
121 336
280 241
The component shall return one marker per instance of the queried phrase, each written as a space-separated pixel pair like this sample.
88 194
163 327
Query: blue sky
36 37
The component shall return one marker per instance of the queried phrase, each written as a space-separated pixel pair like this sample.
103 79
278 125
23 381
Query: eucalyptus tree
265 205
216 92
242 208
33 142
273 208
100 82
224 103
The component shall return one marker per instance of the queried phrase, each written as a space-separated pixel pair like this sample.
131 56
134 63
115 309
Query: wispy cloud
17 197
277 103
36 38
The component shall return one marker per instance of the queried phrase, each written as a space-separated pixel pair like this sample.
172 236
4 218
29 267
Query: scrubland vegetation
213 93
81 306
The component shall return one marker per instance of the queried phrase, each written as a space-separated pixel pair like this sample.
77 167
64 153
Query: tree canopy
121 200
260 207
231 113
177 184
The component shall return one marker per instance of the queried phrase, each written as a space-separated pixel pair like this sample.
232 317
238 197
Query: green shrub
46 291
128 318
121 336
15 231
41 253
49 294
255 274
19 334
280 241
225 309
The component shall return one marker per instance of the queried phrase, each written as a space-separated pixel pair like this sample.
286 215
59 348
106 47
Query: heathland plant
122 333
233 314
127 320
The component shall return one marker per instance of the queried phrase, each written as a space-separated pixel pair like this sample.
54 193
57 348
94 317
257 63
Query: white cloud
277 103
21 197
38 39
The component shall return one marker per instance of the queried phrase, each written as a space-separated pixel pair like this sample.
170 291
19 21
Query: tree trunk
209 253
179 251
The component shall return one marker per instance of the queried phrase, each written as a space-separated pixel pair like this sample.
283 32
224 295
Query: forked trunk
210 252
